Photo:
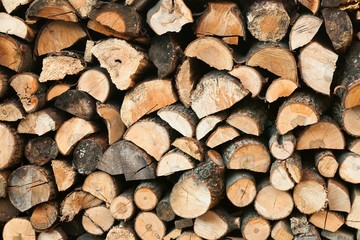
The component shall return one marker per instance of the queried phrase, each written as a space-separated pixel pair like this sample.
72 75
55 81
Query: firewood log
173 234
7 210
327 220
44 216
56 10
18 227
148 226
353 218
55 36
348 165
121 231
281 231
347 118
109 162
11 147
4 176
97 220
220 135
354 146
253 226
312 5
240 188
174 161
30 185
208 123
11 110
189 236
299 224
326 163
64 174
111 115
281 146
164 210
190 146
312 234
123 206
4 81
15 26
200 189
11 5
83 8
56 90
280 87
53 234
41 150
250 78
339 234
285 174
183 223
338 196
96 83
168 16
147 195
304 30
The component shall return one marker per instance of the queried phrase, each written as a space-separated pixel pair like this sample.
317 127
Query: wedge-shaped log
250 78
347 118
338 196
53 9
220 135
64 174
312 5
304 30
174 161
190 146
353 145
281 231
353 218
11 5
15 26
280 87
208 123
56 90
327 220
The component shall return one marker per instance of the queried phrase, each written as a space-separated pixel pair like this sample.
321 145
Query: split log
327 220
147 195
285 174
97 220
96 83
168 16
41 150
11 147
139 101
253 226
215 224
111 115
41 122
30 185
183 223
353 218
54 234
353 146
220 135
4 176
326 163
271 203
349 163
223 19
240 188
174 161
55 36
338 196
300 109
208 123
339 234
124 62
15 26
11 5
310 194
55 10
339 28
14 54
281 231
212 51
190 146
88 153
83 8
156 142
102 186
76 201
348 119
148 226
280 87
7 210
64 174
88 56
44 216
11 111
164 210
317 65
189 236
249 117
109 162
215 92
250 78
274 58
180 118
173 234
312 5
71 132
56 90
267 20
281 146
122 231
123 207
70 63
304 30
18 228
247 153
200 189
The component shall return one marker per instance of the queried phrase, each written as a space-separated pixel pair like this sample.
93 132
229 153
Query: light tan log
183 223
97 220
247 153
240 188
274 58
304 30
338 196
83 7
18 228
64 174
212 51
215 92
173 234
11 110
11 5
208 123
353 218
121 231
71 132
56 10
327 220
30 185
148 226
164 210
96 83
281 146
53 234
250 78
156 142
281 231
354 146
70 63
4 176
88 56
147 195
13 25
174 161
168 16
285 174
310 194
56 90
300 109
124 62
102 186
139 101
348 119
253 226
188 235
220 135
11 147
326 163
349 163
44 216
190 146
180 118
280 87
312 5
76 201
123 207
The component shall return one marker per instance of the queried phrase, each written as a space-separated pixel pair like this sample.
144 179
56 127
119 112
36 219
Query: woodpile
179 119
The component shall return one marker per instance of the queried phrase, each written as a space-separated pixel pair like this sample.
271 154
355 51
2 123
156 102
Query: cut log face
212 51
354 145
317 65
30 185
15 26
348 119
353 218
11 5
222 19
121 232
208 123
281 146
349 163
327 220
139 101
19 227
215 92
220 135
250 78
338 196
189 236
304 30
11 147
14 54
147 195
41 150
174 161
281 231
326 163
285 174
168 16
123 206
123 61
190 146
274 58
97 220
253 226
56 10
56 90
148 226
312 5
240 188
11 111
53 234
44 216
280 87
64 174
247 153
57 35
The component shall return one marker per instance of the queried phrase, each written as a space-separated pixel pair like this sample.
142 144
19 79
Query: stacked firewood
179 119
